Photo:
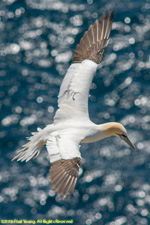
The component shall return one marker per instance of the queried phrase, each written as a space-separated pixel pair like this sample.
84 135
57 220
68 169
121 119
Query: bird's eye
121 135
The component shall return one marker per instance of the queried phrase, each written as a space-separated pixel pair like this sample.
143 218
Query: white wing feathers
33 147
74 91
63 145
65 158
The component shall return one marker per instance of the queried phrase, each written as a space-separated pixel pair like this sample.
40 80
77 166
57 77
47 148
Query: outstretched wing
63 176
95 40
74 91
65 158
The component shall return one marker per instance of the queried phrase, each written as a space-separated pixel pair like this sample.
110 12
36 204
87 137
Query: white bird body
72 126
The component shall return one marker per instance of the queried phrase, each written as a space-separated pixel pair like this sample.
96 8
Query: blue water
37 39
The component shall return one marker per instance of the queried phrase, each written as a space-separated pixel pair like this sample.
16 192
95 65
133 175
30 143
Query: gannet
71 125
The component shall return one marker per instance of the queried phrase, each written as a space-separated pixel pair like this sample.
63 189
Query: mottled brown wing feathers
94 41
63 176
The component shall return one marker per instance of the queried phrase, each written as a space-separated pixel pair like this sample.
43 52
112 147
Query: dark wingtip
107 15
90 47
63 176
112 15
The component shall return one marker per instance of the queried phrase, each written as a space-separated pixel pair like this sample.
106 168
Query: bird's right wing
65 158
74 91
63 176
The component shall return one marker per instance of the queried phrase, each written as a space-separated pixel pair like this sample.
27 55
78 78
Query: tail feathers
32 148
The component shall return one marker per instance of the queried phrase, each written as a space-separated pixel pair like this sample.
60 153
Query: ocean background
37 40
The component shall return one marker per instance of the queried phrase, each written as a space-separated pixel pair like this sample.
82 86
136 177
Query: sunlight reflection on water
37 43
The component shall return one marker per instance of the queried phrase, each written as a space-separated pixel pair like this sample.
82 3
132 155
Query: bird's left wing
65 158
74 91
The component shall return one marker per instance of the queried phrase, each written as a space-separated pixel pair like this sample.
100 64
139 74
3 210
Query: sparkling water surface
37 41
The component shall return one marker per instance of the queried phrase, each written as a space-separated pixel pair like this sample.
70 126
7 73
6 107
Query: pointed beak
126 139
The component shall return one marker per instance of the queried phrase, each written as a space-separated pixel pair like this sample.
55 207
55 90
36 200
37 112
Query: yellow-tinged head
118 130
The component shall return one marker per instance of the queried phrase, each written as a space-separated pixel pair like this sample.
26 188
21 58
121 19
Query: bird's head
119 130
122 134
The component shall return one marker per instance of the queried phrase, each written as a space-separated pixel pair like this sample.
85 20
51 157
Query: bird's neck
107 129
100 132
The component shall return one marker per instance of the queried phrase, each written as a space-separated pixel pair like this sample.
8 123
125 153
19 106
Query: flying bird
71 125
